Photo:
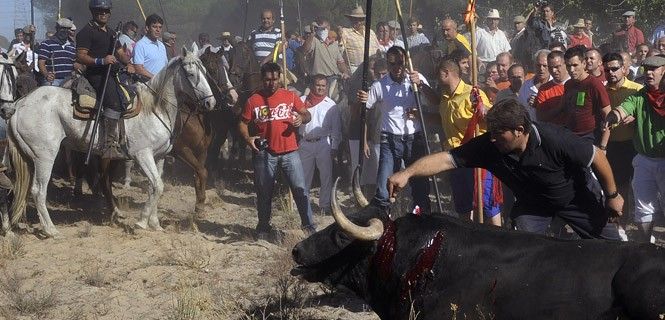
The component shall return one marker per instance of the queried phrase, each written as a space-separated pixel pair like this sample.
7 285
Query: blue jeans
265 167
586 214
55 83
395 149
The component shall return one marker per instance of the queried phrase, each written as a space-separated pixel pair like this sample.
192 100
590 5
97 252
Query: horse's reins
197 110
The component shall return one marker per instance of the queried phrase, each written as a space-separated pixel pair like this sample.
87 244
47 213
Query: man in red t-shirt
585 102
548 100
274 114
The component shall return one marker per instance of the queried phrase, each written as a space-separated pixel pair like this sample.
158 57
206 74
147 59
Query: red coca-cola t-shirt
272 117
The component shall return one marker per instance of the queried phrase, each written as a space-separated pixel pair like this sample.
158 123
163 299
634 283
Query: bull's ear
185 52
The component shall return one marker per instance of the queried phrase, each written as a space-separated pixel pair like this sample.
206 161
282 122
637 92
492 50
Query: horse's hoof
153 223
117 213
141 225
54 234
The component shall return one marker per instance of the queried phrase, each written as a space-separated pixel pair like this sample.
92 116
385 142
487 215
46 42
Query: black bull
439 267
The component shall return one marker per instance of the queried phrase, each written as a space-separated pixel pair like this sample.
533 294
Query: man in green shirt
647 106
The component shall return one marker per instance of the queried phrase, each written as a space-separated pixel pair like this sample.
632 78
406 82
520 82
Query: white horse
43 120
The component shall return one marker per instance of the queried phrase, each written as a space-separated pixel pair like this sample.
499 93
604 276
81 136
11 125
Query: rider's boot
111 141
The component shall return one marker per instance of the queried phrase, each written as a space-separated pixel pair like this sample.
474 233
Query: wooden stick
479 214
138 2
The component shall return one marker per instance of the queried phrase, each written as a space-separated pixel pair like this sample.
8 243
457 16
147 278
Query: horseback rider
94 48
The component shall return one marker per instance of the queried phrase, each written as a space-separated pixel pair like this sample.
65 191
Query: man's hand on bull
362 96
110 60
396 183
615 205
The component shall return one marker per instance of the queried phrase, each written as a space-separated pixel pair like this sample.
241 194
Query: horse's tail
23 179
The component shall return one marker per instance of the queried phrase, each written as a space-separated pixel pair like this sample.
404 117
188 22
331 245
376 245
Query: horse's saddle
84 99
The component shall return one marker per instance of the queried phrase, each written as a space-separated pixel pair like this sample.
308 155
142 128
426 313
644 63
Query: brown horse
244 73
196 131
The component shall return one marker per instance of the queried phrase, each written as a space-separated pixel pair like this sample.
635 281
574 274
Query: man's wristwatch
612 195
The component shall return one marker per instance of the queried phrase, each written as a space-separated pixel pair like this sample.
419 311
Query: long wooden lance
416 94
244 28
470 19
365 85
285 43
138 2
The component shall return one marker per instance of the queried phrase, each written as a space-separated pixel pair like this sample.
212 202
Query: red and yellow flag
470 11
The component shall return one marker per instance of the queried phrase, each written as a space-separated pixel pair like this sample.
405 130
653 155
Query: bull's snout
295 253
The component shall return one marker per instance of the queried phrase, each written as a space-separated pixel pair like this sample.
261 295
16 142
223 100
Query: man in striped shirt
264 38
56 56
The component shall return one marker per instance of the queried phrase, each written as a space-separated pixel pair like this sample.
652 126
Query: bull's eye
341 239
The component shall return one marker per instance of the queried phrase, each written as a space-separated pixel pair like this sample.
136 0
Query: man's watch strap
612 195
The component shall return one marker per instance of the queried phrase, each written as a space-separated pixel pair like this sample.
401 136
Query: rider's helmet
100 4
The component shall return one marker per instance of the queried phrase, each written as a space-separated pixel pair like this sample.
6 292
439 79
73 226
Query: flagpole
471 20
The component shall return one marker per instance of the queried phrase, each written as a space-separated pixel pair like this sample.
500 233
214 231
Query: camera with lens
541 3
261 144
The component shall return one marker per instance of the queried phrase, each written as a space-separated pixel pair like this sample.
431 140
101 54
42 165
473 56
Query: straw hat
357 12
493 14
519 19
580 24
225 35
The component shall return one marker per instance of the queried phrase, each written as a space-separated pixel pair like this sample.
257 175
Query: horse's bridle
7 73
202 70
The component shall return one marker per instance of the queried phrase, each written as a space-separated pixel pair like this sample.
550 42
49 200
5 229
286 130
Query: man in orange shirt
548 100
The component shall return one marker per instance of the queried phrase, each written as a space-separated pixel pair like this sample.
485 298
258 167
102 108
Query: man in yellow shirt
452 40
456 111
620 150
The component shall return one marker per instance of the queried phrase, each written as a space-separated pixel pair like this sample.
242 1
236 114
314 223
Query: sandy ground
103 271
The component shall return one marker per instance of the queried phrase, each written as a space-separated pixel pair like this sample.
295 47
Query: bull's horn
357 192
369 233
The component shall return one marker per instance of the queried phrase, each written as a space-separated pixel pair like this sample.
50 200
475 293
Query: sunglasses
613 69
101 12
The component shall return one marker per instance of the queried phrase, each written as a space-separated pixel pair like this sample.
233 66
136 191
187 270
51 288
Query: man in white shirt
402 138
320 138
529 91
491 40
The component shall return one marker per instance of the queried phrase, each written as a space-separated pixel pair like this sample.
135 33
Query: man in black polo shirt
541 164
94 45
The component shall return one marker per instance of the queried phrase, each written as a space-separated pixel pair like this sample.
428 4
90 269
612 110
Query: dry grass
93 275
85 231
187 254
13 247
20 298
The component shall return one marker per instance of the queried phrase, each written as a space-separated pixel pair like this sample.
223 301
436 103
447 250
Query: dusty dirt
103 271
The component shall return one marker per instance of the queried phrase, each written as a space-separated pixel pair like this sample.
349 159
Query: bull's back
515 275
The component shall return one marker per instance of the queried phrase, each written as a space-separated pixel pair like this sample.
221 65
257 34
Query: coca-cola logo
280 112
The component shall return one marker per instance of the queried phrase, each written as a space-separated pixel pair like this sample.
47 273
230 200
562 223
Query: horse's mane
153 94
